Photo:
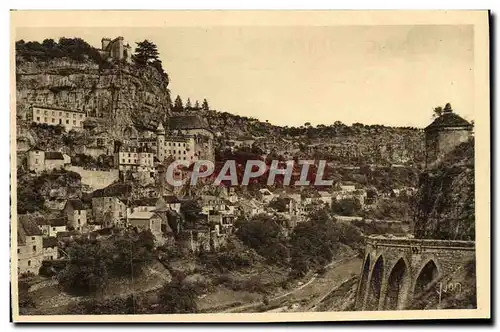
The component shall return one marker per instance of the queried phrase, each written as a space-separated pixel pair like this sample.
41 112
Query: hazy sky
391 75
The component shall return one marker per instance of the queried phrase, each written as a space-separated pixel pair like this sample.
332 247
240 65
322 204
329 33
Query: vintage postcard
250 166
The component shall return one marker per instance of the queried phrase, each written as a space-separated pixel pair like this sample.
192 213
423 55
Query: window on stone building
33 238
74 123
67 114
53 120
34 248
45 119
29 263
74 116
18 251
37 118
60 113
67 121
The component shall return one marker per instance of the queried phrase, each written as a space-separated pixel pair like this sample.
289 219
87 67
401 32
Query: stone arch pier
396 270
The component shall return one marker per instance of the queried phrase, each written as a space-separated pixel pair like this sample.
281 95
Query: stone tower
36 160
444 134
160 142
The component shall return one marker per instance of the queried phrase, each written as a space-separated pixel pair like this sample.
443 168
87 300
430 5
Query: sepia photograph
230 166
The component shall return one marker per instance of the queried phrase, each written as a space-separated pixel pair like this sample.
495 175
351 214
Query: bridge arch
427 275
365 273
375 285
398 285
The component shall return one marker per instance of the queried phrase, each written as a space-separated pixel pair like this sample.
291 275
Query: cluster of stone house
187 138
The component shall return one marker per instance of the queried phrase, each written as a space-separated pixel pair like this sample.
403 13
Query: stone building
116 49
444 134
50 227
39 160
54 115
29 245
109 207
50 250
198 128
179 147
139 159
146 220
76 214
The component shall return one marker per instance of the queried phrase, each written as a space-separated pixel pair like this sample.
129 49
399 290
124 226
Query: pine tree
178 107
146 52
197 105
188 104
205 106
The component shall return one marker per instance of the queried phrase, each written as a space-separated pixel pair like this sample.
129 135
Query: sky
390 75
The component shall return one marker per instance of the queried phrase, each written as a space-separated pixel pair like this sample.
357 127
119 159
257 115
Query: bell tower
160 142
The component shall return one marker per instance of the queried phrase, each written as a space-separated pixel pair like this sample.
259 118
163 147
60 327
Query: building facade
109 211
137 159
76 214
116 49
53 115
29 246
38 160
180 147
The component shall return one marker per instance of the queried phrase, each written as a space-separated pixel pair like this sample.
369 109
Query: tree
178 106
197 105
205 106
177 298
188 104
146 52
191 210
346 206
438 111
86 272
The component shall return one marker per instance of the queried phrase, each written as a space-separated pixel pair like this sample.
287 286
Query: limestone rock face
120 96
445 203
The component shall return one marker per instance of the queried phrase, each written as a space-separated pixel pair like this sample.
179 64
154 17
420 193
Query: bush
177 298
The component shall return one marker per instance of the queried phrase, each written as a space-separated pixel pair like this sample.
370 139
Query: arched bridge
396 270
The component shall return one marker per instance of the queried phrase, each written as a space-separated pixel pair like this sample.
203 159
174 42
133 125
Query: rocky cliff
445 203
116 96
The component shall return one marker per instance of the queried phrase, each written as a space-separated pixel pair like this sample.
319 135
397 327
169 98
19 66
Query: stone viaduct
396 270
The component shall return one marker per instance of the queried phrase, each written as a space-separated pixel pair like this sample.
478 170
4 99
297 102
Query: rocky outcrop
445 203
119 96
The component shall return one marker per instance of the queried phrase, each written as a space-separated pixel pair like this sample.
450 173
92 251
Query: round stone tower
445 133
160 142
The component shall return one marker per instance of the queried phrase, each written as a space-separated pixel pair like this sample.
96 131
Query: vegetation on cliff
33 192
